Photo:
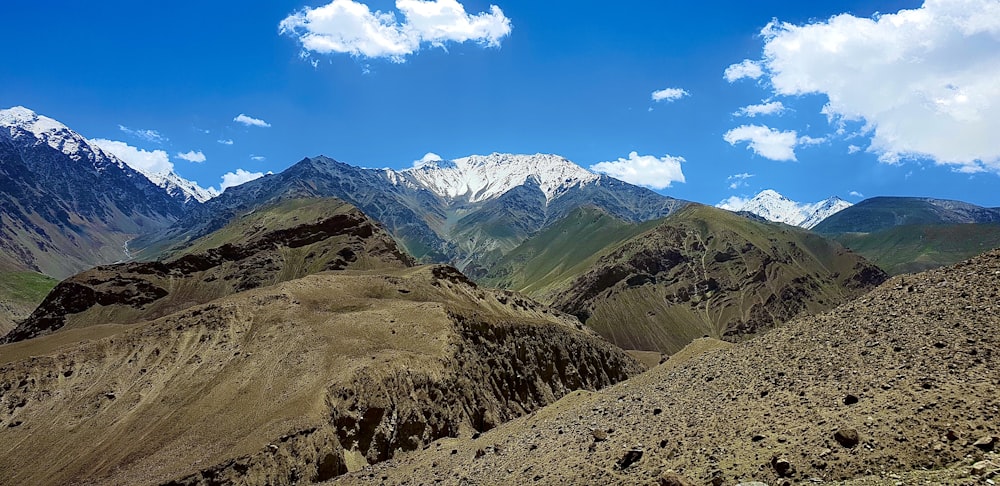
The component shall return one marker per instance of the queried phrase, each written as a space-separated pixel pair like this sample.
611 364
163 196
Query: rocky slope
897 386
269 246
705 271
291 383
67 205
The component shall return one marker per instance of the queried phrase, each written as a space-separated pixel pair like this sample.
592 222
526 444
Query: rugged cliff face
300 381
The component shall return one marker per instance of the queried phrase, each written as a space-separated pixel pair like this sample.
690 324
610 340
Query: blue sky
912 97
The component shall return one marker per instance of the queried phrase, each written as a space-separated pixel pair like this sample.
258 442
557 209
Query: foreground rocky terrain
898 387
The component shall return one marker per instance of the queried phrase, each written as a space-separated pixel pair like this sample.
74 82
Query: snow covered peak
17 122
179 187
772 206
480 178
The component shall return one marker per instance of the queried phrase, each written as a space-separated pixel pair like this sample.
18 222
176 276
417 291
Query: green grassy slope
20 293
562 252
704 271
914 248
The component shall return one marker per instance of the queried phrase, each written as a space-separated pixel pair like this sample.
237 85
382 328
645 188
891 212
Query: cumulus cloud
226 141
770 108
765 141
733 203
192 156
251 121
230 179
349 27
856 194
923 82
807 140
745 69
150 162
426 159
644 170
669 94
737 181
147 135
853 149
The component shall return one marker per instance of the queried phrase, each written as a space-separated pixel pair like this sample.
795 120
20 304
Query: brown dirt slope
704 271
276 244
875 391
291 383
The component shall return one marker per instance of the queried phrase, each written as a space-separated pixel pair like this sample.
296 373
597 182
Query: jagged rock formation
897 386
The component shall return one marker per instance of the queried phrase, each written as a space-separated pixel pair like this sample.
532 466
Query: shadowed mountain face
702 271
295 344
899 386
880 213
67 205
272 245
469 229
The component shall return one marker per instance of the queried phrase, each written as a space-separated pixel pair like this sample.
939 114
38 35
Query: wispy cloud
769 108
251 121
227 141
192 156
147 135
644 170
669 94
737 181
258 158
349 27
856 194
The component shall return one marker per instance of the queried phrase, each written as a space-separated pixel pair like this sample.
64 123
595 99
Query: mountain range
318 323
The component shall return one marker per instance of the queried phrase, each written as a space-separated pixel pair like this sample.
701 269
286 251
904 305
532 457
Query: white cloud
258 158
922 81
856 194
770 108
807 140
227 141
230 179
427 158
733 203
746 69
251 121
644 170
147 135
765 141
154 162
737 181
669 94
349 27
192 156
853 149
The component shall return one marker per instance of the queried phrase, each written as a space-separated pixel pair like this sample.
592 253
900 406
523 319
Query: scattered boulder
674 479
850 399
985 443
630 457
782 466
847 437
599 435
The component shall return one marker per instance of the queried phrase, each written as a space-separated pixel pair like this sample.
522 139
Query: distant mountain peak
179 187
771 205
20 122
480 178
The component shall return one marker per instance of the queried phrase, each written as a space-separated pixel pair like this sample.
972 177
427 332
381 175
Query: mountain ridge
772 206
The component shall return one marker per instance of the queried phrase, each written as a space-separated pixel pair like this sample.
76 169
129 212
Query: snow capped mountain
772 206
479 178
26 127
179 187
